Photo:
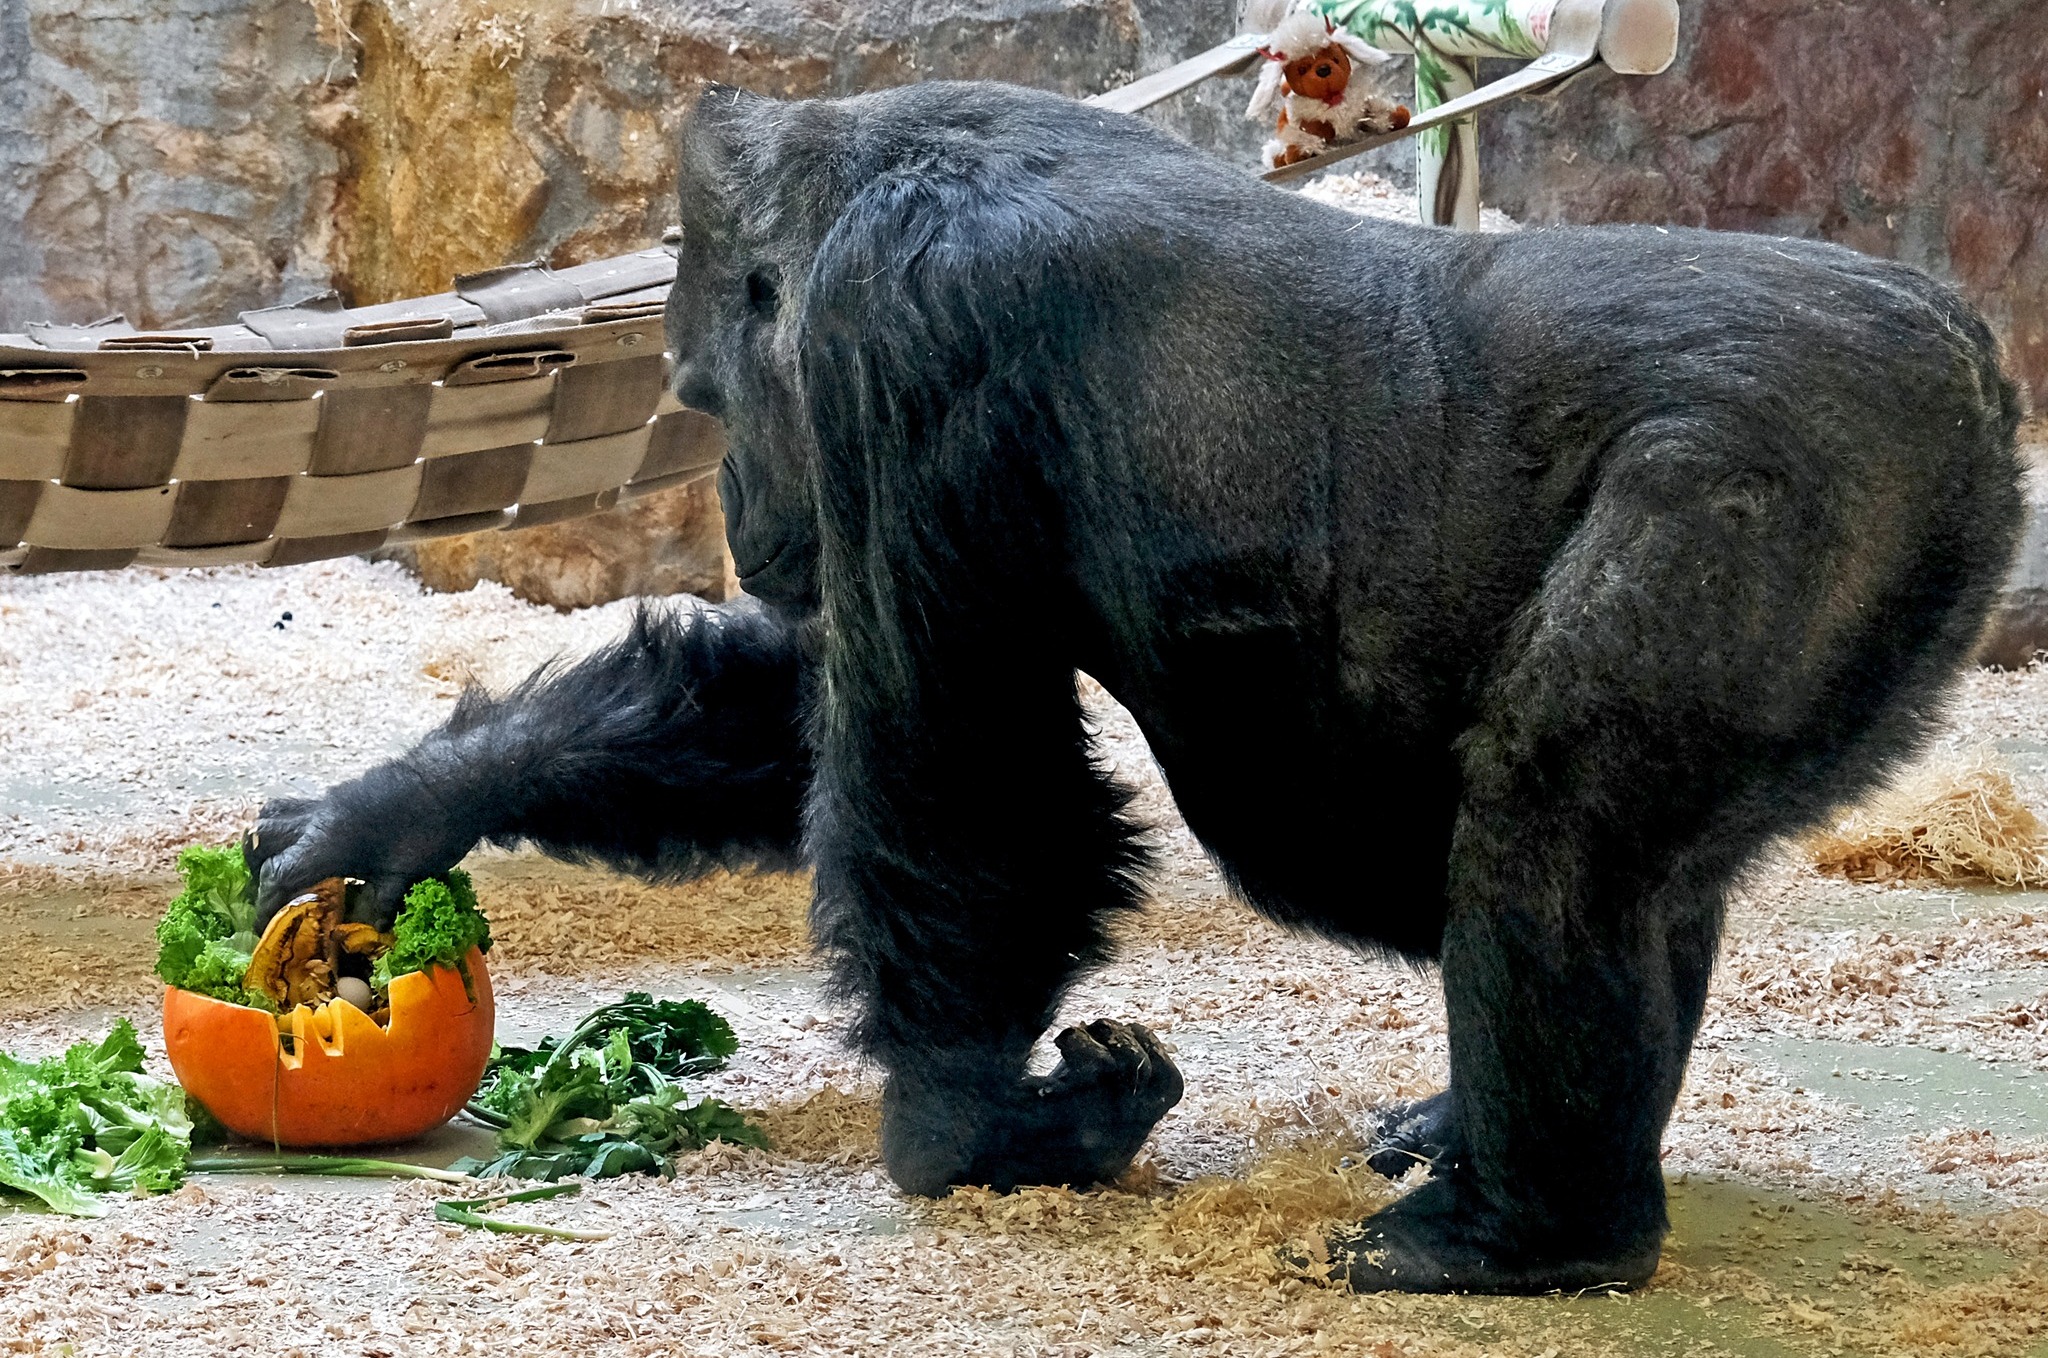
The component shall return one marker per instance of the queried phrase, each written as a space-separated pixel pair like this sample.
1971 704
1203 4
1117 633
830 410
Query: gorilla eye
761 293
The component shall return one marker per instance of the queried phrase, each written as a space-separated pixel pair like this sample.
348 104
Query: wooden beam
1547 69
1238 55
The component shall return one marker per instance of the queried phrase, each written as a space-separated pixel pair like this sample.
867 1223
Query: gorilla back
1583 562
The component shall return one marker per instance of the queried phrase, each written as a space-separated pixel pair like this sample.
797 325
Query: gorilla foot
1430 1241
1080 1124
1411 1134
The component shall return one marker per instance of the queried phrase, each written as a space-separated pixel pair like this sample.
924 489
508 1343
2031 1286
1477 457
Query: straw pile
1953 819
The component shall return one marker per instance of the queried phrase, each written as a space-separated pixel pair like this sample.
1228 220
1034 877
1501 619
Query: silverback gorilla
1581 563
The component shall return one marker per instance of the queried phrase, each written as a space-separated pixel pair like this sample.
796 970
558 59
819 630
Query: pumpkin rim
391 1004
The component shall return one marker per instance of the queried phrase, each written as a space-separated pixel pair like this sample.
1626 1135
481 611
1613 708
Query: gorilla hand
1081 1124
386 827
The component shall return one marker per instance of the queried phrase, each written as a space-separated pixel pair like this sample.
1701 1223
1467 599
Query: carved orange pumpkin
346 1081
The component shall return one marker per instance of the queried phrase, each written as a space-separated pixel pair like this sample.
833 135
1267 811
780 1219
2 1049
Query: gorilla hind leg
1659 717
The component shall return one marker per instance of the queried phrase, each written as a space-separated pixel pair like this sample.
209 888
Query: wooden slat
233 554
688 441
35 437
606 398
17 504
370 430
561 471
454 525
494 415
472 483
98 520
636 489
557 511
124 443
216 513
1239 54
291 551
225 440
330 506
62 560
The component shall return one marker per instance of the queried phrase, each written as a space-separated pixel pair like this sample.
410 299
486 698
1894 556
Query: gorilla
1580 563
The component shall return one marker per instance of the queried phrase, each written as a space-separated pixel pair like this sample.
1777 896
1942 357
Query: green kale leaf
675 1037
603 1101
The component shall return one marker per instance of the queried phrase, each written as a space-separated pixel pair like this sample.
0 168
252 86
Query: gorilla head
870 190
741 268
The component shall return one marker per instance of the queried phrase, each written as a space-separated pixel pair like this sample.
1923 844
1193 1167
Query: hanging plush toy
1309 64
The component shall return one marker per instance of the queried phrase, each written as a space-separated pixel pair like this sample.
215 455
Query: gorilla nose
694 388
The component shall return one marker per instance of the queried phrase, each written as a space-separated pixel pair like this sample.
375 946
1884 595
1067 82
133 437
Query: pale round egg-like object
356 991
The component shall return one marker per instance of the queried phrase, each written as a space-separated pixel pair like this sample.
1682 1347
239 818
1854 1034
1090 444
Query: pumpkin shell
368 1084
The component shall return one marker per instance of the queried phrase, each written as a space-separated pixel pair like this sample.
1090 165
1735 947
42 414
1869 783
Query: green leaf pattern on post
1436 30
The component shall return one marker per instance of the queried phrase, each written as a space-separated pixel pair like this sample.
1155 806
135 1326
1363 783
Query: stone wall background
1912 129
182 160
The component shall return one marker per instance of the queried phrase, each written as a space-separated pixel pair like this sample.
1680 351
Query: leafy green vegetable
208 934
436 927
90 1122
603 1101
676 1037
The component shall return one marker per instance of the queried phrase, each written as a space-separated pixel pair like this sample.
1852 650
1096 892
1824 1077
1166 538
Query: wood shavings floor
1858 1159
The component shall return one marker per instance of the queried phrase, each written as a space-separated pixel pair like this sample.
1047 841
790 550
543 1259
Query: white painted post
1448 38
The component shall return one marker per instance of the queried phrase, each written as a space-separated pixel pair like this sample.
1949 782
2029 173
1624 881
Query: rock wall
668 543
1905 128
162 159
181 160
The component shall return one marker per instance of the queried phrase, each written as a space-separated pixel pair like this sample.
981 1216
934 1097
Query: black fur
677 750
1579 563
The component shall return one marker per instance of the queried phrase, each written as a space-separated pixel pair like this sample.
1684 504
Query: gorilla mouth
783 577
770 560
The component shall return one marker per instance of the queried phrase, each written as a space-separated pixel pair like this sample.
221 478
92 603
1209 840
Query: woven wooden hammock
525 396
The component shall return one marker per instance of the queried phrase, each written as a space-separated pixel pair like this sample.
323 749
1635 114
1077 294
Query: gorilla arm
676 750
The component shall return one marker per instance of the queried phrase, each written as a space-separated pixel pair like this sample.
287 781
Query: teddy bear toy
1309 63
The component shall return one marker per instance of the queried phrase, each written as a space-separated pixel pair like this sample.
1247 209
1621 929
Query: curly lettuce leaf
208 932
436 927
90 1122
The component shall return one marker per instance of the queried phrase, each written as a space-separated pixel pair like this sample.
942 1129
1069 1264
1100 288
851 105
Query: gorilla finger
1154 1049
279 824
1082 1056
1155 1080
289 875
276 884
1131 1057
376 901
